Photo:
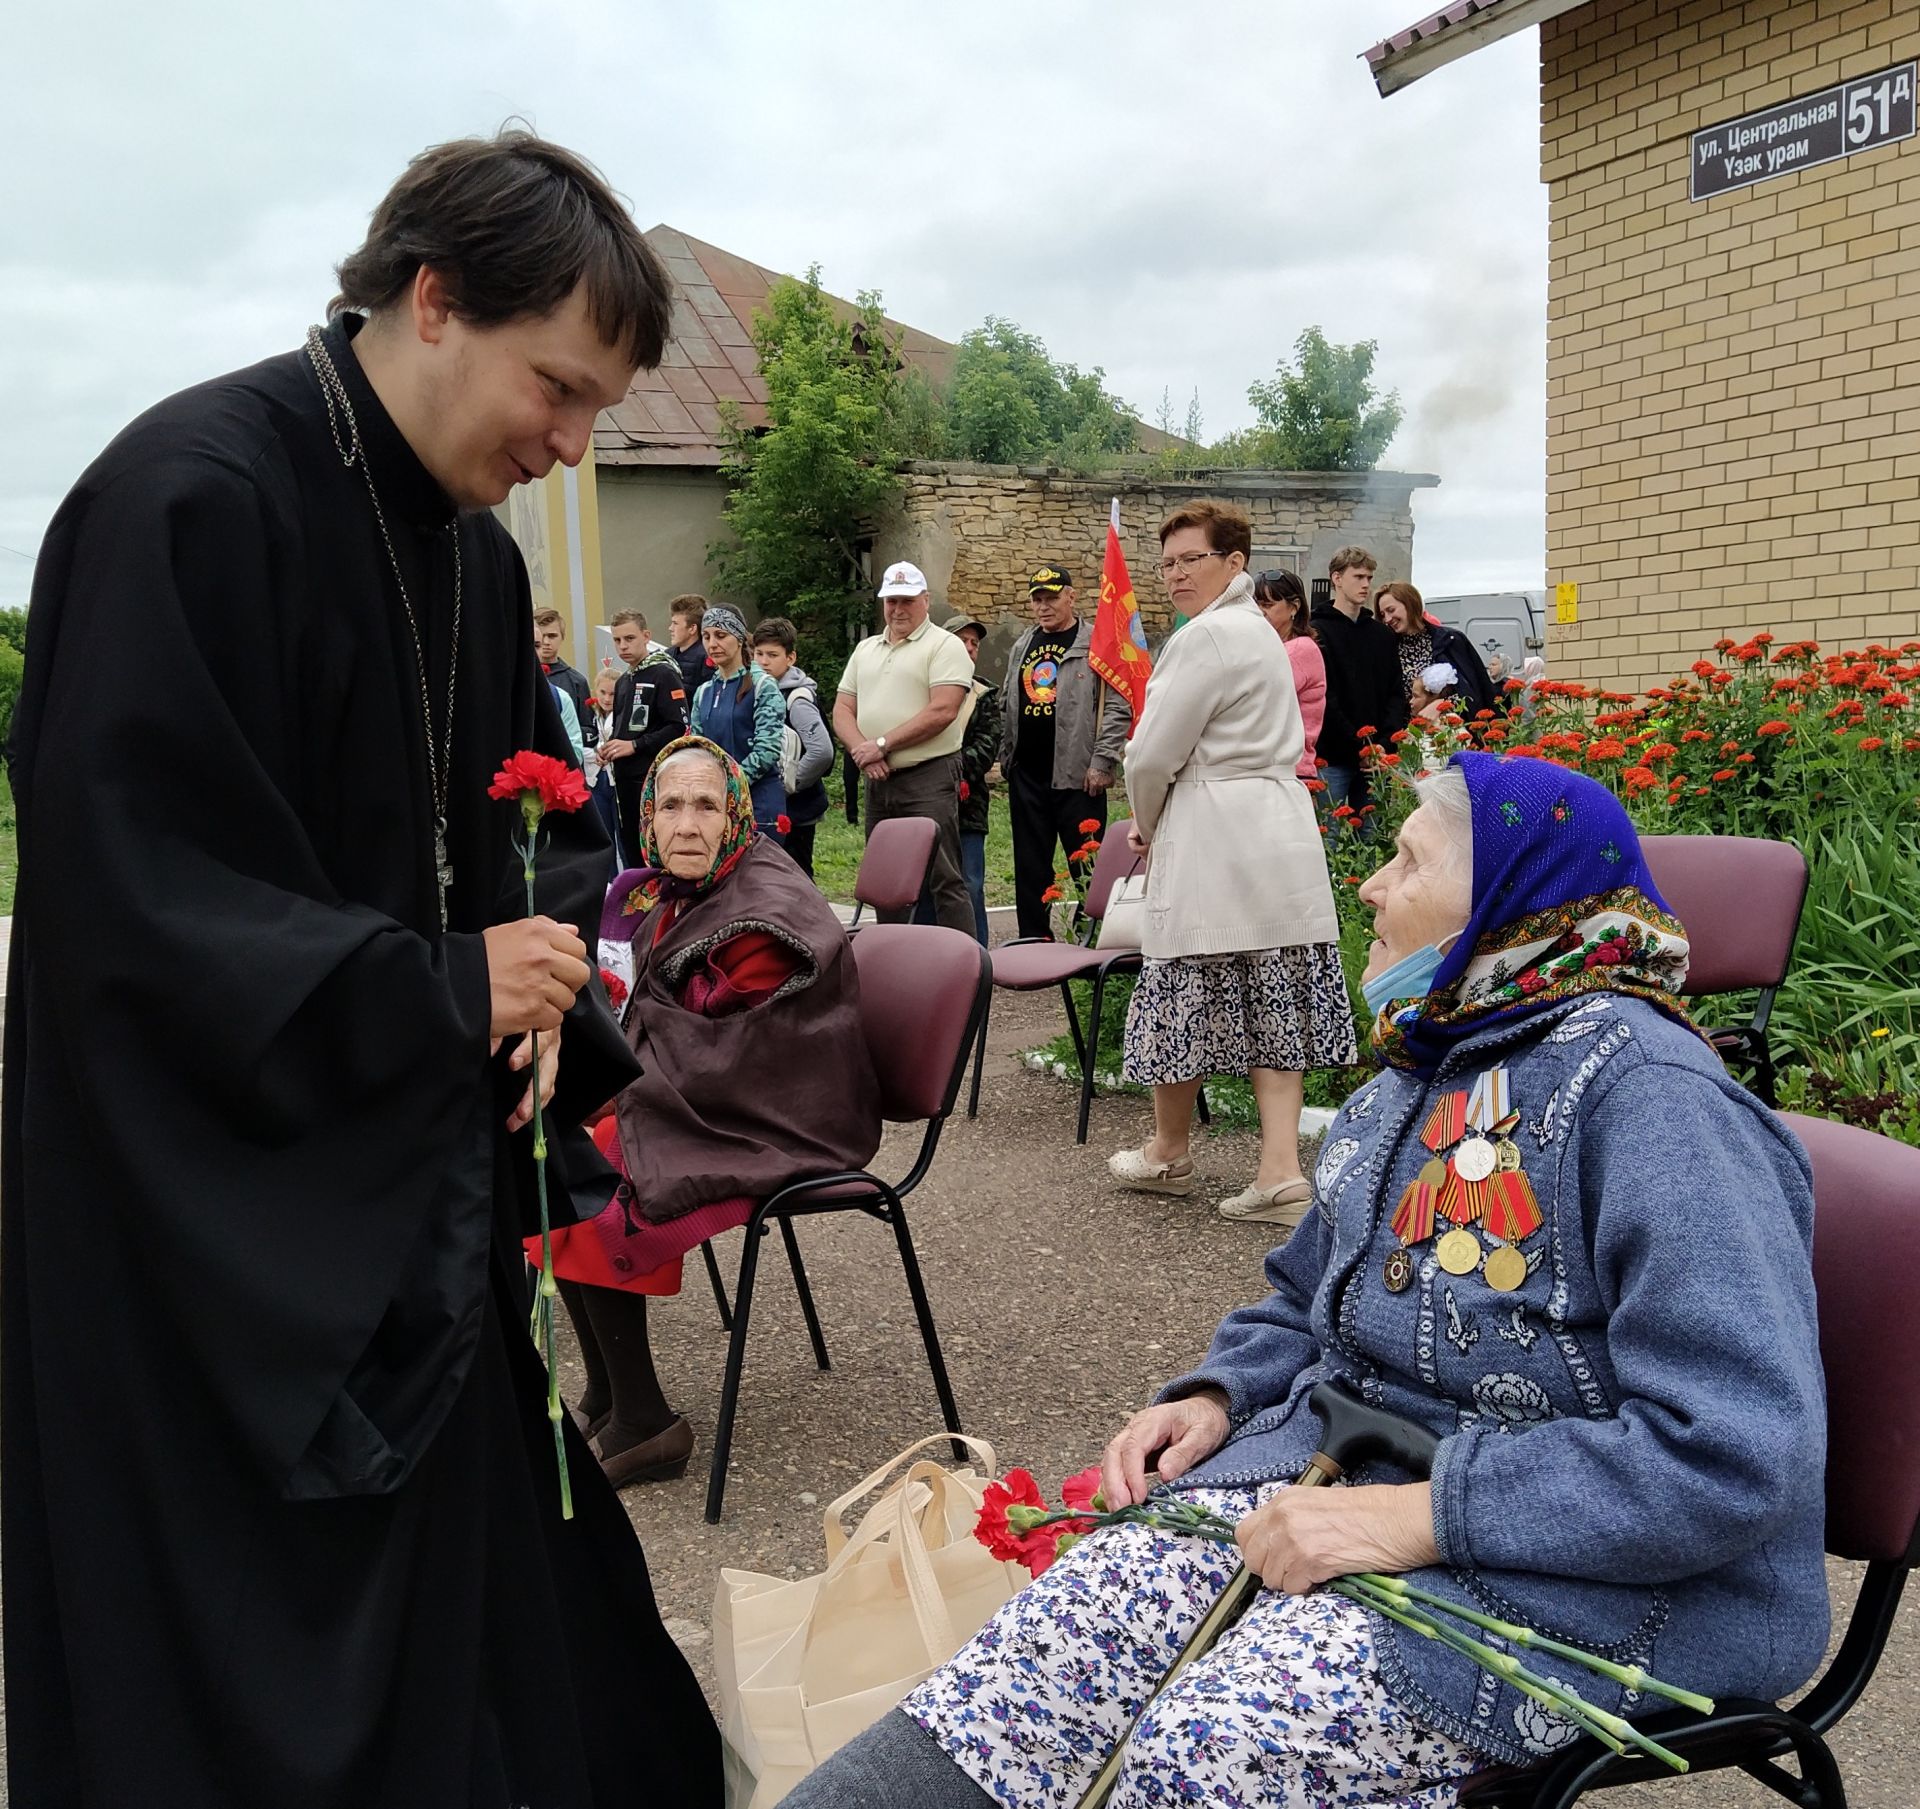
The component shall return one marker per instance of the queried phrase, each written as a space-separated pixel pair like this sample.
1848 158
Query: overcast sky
1174 208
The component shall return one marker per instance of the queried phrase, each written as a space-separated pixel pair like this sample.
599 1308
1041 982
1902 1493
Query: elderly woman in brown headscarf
745 1014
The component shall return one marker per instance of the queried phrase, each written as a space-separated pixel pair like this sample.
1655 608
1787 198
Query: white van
1511 623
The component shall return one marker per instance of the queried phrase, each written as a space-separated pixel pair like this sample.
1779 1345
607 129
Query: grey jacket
1632 1443
1090 718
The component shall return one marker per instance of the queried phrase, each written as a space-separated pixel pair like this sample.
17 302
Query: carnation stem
1630 1677
1607 1728
548 1287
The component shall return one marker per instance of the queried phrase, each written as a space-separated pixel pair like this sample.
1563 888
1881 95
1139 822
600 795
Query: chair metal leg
1763 1073
1200 1101
923 1312
980 1057
1090 1056
806 1293
1083 1051
736 1361
719 1286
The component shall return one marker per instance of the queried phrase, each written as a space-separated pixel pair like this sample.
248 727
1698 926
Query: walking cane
1352 1432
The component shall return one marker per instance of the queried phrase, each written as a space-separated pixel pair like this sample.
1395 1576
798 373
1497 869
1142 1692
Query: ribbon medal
1480 1183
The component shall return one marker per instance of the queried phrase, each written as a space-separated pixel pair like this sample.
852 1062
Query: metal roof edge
1455 32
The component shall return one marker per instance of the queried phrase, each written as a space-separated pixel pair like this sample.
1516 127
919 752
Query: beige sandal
1286 1204
1131 1168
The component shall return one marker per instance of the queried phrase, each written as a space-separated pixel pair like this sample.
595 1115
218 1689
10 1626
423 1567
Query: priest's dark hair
513 224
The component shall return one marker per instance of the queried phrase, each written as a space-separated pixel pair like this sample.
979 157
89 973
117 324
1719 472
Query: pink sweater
1310 684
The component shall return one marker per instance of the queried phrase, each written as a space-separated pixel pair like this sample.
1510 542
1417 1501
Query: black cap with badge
1049 580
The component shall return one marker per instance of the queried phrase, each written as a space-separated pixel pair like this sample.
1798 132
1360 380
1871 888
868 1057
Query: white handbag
804 1666
1125 924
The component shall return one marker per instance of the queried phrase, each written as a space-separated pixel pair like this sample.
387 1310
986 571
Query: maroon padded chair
1866 1269
923 993
894 865
1739 898
1037 962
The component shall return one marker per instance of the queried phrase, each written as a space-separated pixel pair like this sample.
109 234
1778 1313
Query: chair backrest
1115 862
1739 898
894 865
1866 1269
922 990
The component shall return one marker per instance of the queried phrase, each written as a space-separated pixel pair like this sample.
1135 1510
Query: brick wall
1733 392
978 531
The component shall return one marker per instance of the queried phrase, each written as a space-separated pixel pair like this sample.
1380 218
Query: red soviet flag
1118 651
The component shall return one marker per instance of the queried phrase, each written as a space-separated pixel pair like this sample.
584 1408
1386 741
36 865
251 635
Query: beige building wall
1733 385
656 523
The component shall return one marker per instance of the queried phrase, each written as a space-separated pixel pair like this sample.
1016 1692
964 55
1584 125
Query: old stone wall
978 531
1733 384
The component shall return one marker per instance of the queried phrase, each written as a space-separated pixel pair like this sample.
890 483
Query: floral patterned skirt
1287 1711
1194 1016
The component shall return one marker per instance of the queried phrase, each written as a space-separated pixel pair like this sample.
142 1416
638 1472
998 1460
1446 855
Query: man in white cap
902 712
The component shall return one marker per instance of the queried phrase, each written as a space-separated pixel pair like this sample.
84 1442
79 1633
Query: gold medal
1506 1269
1434 1174
1398 1270
1507 1154
1459 1252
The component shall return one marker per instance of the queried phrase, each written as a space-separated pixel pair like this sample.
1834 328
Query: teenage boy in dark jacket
1363 680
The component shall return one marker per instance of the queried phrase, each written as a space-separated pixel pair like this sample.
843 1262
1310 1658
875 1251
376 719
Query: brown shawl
741 1105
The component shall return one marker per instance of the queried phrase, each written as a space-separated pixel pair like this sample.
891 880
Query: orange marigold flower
1052 895
1775 728
1719 646
1763 639
1091 826
1726 772
1872 745
1694 735
1743 759
1660 750
1639 778
1607 748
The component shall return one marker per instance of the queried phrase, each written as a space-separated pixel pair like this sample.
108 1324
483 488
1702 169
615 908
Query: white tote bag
1125 924
804 1666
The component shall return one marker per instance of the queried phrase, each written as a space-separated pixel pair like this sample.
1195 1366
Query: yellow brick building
1733 382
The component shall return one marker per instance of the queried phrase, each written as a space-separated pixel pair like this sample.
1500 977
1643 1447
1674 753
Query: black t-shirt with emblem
1039 686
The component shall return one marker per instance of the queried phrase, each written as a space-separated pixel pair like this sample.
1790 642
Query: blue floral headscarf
1563 904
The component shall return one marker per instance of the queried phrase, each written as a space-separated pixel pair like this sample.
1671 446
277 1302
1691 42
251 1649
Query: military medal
1480 1184
1506 1269
1459 1251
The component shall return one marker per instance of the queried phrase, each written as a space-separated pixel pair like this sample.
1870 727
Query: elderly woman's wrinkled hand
1136 842
1183 1432
1301 1538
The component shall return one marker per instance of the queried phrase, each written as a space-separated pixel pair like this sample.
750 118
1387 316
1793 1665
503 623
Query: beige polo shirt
891 682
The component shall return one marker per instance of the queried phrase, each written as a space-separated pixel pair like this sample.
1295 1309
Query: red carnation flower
1091 826
783 823
966 791
616 987
1031 1546
540 782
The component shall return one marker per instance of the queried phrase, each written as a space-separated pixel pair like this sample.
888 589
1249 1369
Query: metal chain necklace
439 758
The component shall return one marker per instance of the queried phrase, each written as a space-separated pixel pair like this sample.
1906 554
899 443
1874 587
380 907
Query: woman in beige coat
1241 969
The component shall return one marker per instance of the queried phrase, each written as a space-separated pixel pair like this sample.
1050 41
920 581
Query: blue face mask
1408 978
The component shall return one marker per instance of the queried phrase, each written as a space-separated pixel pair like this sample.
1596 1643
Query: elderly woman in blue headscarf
1553 1232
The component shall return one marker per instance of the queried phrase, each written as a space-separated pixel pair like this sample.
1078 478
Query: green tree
1011 403
1320 413
807 486
13 629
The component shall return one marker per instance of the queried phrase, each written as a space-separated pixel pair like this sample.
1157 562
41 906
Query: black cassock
280 1514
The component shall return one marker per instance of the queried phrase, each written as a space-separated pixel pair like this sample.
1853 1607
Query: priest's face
689 815
503 405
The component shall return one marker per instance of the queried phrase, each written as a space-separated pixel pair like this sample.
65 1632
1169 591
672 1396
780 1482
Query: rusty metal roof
671 416
1452 33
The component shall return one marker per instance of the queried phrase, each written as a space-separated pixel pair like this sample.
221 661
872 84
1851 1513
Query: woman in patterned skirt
1241 969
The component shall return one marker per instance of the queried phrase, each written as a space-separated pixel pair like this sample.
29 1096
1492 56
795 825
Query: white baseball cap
903 580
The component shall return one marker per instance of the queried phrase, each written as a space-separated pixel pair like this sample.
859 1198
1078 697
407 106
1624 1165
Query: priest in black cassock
278 1492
